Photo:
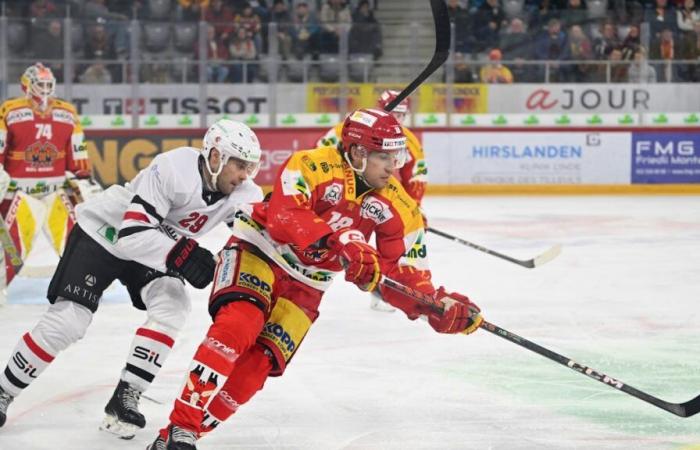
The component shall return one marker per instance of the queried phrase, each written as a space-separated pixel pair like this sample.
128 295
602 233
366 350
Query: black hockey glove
191 261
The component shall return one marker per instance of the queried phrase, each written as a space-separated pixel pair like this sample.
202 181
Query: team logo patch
333 194
19 115
293 183
41 154
61 115
376 210
363 118
201 383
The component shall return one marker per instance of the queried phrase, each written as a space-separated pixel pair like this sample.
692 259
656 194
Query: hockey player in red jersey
413 175
41 146
142 234
283 255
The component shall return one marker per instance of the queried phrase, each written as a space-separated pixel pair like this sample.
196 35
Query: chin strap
211 183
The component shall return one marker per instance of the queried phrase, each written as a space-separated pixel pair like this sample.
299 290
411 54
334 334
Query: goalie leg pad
60 219
84 271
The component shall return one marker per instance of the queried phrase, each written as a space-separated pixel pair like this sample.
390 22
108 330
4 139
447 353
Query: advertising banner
466 98
528 158
665 158
117 156
594 98
226 98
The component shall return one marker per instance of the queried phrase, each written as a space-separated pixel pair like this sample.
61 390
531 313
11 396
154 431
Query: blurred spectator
96 73
115 24
489 20
191 10
463 71
463 21
618 67
660 18
495 72
606 42
217 55
516 46
545 11
552 46
579 49
574 14
640 71
42 9
631 43
687 16
47 45
250 22
130 8
222 17
242 48
365 33
454 8
690 50
100 47
333 13
305 31
280 15
663 49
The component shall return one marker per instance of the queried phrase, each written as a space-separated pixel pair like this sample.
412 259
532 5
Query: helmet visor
251 168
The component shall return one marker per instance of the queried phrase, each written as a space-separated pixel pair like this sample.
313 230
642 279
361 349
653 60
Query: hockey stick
686 409
529 263
441 19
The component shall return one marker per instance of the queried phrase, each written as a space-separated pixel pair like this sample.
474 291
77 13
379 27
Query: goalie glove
193 262
459 314
80 187
360 260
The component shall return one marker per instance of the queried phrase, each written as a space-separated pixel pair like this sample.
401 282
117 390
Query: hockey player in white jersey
143 235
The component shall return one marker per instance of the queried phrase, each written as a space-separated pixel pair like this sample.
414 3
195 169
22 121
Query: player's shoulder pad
400 200
179 167
64 104
12 103
410 137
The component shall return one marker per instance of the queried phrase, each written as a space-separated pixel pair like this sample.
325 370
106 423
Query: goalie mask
233 140
373 130
39 84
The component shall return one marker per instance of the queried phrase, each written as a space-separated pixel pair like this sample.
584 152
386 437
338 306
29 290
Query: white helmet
233 140
39 83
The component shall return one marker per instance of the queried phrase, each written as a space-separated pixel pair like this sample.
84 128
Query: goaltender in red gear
283 255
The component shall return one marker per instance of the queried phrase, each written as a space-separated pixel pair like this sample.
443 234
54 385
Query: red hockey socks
235 328
247 378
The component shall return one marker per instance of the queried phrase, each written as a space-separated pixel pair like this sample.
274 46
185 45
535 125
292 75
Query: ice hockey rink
623 298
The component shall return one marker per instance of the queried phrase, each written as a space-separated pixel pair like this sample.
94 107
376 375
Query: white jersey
142 220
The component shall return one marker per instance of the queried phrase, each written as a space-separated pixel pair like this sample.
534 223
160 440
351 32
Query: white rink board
528 158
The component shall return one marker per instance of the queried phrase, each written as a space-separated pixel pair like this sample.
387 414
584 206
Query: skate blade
123 430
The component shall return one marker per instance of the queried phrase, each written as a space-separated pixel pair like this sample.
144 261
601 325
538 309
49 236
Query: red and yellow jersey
316 194
36 149
413 175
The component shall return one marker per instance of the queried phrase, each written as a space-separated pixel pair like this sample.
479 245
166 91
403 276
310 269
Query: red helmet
375 131
388 96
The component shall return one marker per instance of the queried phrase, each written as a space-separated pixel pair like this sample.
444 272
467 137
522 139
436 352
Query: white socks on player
26 363
63 324
148 352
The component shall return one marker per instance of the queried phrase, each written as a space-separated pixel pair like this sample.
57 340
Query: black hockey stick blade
544 258
687 409
441 19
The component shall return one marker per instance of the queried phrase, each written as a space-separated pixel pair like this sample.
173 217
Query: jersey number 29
194 222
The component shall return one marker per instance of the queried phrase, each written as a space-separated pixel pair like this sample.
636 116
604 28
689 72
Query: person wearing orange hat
495 72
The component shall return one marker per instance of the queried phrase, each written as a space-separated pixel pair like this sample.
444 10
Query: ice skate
181 439
123 417
5 400
158 444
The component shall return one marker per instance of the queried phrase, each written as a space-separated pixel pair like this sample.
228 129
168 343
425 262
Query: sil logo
90 280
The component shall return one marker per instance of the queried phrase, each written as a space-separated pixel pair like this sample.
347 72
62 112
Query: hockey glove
193 262
360 260
459 315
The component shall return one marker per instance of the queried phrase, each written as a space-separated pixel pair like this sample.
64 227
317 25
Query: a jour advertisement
663 158
528 158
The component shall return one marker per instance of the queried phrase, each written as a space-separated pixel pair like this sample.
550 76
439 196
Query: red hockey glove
360 259
193 262
459 315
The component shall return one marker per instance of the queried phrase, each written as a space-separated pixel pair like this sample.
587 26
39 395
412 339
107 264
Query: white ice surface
623 297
